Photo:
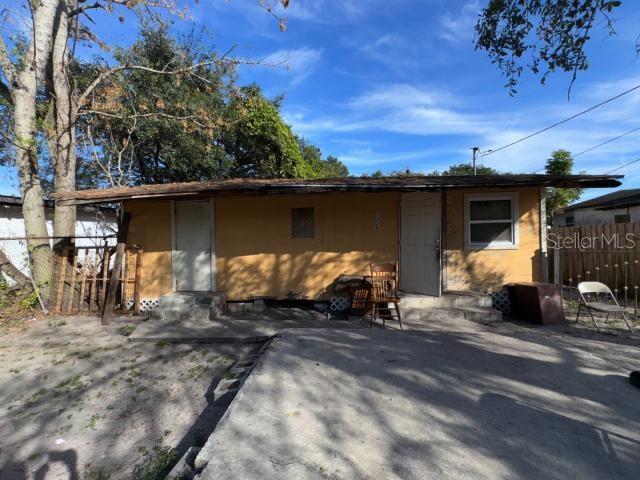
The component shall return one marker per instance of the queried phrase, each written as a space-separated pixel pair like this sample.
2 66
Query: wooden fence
606 253
82 279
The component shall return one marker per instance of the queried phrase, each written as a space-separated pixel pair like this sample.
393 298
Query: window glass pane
490 209
490 232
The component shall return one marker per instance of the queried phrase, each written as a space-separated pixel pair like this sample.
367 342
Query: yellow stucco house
293 238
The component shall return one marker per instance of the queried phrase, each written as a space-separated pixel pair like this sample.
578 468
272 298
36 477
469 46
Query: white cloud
298 63
323 10
399 108
390 49
396 95
458 26
454 124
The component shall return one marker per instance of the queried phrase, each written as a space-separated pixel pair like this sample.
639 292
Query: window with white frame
491 221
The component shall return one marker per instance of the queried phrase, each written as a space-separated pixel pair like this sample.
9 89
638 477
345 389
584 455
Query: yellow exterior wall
483 270
150 228
256 255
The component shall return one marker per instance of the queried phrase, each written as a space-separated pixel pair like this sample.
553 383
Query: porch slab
438 404
242 327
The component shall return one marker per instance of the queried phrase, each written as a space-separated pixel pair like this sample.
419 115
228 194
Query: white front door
420 243
192 251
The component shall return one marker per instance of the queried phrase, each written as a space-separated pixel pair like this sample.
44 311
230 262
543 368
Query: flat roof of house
618 199
258 186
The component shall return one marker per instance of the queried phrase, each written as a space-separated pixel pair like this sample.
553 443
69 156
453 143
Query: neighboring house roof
610 201
249 186
12 200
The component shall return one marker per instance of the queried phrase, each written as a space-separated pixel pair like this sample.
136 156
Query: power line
599 145
622 166
608 141
490 152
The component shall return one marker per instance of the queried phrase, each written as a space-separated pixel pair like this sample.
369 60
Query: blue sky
394 87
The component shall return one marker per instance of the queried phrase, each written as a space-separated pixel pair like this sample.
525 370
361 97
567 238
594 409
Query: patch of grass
93 421
57 322
81 354
97 474
69 385
196 372
5 293
155 464
126 330
135 372
14 370
162 343
30 301
35 398
228 375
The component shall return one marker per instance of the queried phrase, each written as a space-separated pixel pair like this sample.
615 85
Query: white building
621 206
100 224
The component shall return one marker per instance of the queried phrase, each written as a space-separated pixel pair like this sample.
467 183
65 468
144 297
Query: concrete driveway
416 405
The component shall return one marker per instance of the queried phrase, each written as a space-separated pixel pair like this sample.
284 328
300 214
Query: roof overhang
254 186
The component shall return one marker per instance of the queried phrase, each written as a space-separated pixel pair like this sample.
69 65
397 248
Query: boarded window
302 224
624 218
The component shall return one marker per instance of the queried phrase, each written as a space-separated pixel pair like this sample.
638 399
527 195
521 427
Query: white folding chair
599 289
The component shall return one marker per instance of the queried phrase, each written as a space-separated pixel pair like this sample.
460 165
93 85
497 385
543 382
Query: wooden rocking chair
384 290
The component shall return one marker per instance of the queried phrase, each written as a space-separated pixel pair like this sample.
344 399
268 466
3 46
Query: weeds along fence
605 253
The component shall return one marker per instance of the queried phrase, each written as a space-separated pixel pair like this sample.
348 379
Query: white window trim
496 245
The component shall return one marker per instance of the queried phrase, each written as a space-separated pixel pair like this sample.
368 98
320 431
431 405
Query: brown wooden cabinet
537 302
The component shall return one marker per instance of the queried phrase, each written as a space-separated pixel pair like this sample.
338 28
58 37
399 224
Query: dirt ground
79 401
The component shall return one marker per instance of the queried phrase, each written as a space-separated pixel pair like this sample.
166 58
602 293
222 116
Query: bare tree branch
224 60
191 118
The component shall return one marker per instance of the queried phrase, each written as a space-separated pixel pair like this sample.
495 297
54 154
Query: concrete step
212 301
474 314
447 300
184 313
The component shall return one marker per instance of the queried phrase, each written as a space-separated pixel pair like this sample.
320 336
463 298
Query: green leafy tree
330 167
149 128
541 35
260 143
467 169
560 163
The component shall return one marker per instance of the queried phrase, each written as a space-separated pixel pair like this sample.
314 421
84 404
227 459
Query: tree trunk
25 87
30 186
63 146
